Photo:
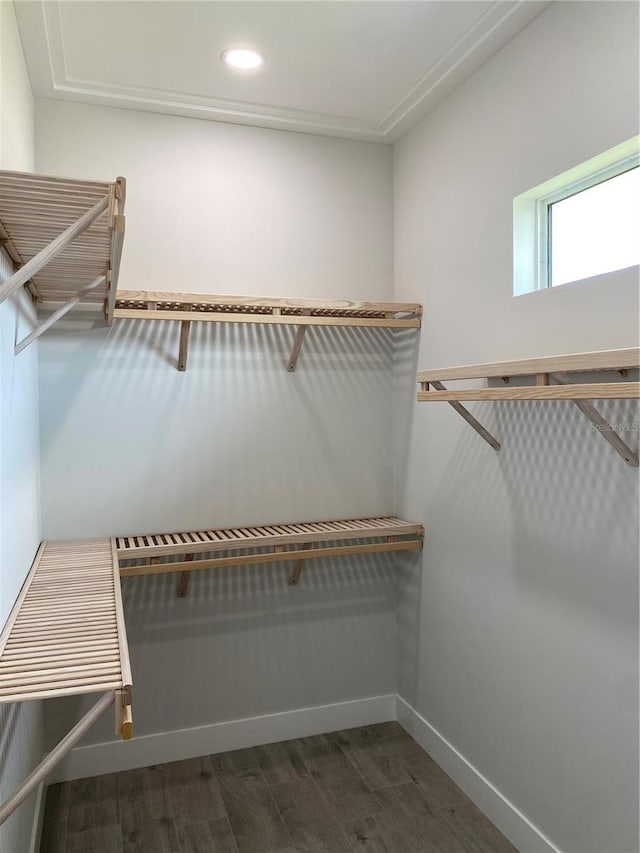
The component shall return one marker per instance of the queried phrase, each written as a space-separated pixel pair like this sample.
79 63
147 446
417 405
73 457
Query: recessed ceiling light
242 58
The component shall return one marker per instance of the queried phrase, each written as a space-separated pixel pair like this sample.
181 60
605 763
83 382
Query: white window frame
531 210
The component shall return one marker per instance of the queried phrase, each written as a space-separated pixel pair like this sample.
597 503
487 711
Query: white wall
16 99
518 636
19 448
238 438
21 725
131 445
220 208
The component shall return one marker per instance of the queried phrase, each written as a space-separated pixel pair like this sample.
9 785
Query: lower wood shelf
291 542
66 633
66 636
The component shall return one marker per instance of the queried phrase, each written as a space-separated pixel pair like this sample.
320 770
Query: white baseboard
38 817
146 750
507 817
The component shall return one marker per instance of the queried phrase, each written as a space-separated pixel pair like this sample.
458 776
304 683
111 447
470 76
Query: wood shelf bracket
52 249
297 345
474 423
297 569
183 582
57 315
601 424
185 328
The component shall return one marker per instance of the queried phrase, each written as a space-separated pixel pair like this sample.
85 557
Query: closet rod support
601 424
466 414
55 756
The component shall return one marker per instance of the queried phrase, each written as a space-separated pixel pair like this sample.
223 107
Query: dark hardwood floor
371 788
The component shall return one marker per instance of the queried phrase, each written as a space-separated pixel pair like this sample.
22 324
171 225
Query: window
583 223
596 230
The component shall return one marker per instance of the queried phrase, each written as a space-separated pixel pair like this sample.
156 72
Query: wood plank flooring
371 789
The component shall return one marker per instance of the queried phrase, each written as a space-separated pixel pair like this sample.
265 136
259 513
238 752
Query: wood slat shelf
302 313
66 633
149 305
556 378
64 237
66 636
287 542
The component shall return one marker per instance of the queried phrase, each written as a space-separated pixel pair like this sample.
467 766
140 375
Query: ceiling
363 70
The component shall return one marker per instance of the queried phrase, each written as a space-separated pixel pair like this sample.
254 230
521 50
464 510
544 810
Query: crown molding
50 78
499 24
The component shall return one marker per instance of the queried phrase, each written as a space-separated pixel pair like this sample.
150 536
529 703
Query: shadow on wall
230 599
575 508
135 351
405 368
556 508
136 446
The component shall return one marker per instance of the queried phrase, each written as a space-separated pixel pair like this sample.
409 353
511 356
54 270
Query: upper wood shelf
302 313
203 307
65 239
560 377
622 359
